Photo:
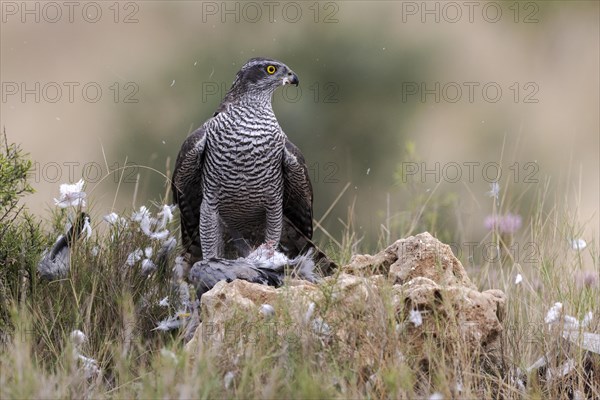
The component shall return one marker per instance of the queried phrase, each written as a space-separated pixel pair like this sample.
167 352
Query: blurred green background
406 105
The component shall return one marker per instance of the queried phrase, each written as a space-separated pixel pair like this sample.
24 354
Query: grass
117 307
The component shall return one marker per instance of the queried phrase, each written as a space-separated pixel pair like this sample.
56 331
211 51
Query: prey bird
265 265
239 181
55 262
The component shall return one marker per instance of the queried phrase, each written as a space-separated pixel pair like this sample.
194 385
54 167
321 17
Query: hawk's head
263 75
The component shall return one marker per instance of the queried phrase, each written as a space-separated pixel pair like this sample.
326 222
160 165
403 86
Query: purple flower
587 279
508 223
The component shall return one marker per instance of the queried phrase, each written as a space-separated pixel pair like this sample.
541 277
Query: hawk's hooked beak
291 78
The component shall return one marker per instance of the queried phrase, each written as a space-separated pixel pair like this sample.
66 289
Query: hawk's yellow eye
271 69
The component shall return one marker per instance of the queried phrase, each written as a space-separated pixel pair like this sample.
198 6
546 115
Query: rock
416 256
414 294
475 316
425 256
366 264
241 301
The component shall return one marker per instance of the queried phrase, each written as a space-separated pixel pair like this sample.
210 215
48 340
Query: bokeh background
378 114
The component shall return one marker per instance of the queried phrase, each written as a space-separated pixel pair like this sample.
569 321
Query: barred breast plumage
242 171
238 180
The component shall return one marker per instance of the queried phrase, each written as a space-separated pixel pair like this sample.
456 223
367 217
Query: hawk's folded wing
187 190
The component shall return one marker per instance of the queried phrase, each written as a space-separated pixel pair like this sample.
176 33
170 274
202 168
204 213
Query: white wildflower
95 251
554 313
587 319
134 257
518 279
146 222
140 215
168 324
165 216
436 396
267 311
309 313
78 337
145 225
494 190
71 195
562 370
179 268
90 367
87 228
148 252
571 322
167 247
164 302
161 235
183 291
578 244
173 322
228 379
115 220
578 395
320 327
148 266
415 317
111 218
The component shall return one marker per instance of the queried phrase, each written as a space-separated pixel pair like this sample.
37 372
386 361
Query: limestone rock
475 316
416 256
415 291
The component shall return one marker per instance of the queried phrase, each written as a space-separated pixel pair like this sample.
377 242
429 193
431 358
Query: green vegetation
21 240
117 308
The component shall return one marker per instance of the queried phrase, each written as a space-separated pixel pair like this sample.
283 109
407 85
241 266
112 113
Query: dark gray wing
298 193
297 230
187 190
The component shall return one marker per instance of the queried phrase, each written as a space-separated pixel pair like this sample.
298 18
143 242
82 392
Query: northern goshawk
238 181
